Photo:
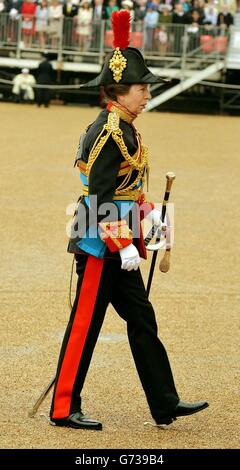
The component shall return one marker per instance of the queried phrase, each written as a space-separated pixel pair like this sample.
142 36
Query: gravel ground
196 303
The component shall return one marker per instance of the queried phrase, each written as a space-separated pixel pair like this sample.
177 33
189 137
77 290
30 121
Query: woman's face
136 99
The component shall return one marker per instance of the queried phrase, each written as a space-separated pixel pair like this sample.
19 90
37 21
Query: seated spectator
23 86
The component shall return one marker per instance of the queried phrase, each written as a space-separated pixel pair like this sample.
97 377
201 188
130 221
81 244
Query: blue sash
91 242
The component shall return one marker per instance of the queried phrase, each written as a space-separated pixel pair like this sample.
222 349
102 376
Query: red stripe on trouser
78 335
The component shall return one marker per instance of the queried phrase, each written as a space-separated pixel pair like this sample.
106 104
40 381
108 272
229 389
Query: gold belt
131 195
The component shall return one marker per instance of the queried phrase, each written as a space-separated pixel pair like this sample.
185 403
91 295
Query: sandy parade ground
196 303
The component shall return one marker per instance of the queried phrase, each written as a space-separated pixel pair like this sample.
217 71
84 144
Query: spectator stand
173 49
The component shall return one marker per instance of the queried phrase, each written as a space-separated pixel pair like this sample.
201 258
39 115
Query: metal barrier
9 31
68 40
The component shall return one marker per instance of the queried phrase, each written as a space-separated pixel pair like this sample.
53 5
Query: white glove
155 218
130 257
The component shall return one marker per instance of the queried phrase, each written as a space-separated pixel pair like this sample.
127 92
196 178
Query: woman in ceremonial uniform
107 241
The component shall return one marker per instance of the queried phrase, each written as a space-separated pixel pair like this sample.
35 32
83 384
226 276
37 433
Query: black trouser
43 96
101 282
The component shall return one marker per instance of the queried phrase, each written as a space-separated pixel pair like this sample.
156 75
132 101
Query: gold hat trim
117 64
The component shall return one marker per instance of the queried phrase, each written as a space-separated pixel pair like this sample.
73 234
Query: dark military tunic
112 180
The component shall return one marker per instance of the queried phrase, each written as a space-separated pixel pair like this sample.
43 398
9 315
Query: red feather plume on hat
121 28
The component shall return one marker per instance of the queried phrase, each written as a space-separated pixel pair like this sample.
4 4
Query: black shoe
183 409
77 421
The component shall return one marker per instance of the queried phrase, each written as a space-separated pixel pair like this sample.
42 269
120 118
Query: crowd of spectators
44 22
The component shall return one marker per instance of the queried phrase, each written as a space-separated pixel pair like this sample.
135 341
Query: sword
42 397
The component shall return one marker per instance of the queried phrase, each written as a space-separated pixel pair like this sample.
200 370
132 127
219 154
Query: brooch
117 64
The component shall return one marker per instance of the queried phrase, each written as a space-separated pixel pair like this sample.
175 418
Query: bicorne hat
123 65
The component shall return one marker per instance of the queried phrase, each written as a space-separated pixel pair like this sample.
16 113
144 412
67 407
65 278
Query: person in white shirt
23 86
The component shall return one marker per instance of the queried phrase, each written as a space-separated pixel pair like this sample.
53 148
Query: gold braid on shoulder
111 125
138 162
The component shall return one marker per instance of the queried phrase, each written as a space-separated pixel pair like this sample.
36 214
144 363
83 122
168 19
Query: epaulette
113 122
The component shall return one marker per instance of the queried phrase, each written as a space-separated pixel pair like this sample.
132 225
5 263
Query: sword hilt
165 262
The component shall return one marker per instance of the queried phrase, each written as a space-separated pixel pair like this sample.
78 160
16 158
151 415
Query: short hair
113 90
